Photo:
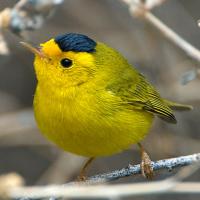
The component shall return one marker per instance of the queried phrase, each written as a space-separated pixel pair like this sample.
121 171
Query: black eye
65 62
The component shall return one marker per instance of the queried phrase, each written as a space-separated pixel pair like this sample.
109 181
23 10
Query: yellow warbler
90 101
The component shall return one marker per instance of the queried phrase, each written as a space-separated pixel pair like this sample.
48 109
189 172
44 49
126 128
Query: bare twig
65 166
190 50
104 191
25 15
23 130
8 181
168 164
83 190
4 21
139 9
144 4
3 46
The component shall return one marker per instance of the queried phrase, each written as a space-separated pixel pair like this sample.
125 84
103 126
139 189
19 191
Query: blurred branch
4 21
21 121
3 46
190 50
84 189
189 76
19 128
105 191
62 169
139 8
25 15
9 181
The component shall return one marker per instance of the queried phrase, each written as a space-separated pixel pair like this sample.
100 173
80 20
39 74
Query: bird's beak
33 49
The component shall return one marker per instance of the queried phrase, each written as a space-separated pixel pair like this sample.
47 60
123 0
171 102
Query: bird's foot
145 165
82 176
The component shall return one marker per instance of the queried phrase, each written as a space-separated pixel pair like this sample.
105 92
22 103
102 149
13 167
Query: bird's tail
178 106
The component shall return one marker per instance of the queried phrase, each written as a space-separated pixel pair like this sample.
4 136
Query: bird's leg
82 175
145 165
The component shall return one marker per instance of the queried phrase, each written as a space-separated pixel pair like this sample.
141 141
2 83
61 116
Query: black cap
75 42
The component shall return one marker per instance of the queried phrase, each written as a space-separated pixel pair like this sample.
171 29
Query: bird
91 102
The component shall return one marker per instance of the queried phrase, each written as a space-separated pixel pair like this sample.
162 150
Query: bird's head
72 60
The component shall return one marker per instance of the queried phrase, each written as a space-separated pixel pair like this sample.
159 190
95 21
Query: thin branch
146 4
168 164
83 190
105 191
9 181
58 172
4 21
139 9
25 15
23 130
3 45
190 50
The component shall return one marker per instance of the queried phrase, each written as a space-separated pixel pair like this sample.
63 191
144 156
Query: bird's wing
136 91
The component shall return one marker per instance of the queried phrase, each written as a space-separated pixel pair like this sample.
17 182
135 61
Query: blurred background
25 151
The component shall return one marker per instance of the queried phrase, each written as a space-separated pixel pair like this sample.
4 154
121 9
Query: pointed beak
33 49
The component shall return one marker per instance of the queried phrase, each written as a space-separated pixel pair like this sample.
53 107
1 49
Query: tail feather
178 106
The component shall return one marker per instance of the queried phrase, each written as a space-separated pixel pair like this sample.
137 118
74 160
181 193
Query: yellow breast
89 124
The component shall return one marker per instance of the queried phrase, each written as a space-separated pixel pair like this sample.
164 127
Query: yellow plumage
98 106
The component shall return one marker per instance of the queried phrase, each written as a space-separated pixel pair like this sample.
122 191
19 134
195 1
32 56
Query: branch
4 21
144 4
168 164
23 130
25 15
57 172
10 180
83 190
189 49
106 191
139 9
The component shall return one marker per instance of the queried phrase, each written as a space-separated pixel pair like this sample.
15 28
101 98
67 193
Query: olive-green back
124 81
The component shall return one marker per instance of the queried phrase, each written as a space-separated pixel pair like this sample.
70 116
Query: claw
82 176
146 168
145 165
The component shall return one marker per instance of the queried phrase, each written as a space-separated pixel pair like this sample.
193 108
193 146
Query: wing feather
136 91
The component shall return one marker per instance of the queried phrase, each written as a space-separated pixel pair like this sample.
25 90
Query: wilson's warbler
90 101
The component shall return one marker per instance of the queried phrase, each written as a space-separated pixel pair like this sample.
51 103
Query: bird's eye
65 62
